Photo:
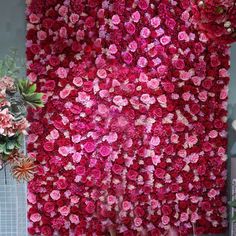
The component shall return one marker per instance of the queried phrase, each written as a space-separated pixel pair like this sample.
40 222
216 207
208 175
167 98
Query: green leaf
233 203
234 218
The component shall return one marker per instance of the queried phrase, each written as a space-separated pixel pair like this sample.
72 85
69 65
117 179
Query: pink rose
65 210
74 219
115 19
113 49
184 217
145 32
143 4
63 10
105 150
155 141
180 196
61 184
111 199
90 207
133 46
165 220
154 204
142 62
36 217
165 40
182 36
33 18
127 57
135 16
41 35
64 151
101 73
65 92
48 146
202 96
55 195
194 217
155 21
130 27
126 205
74 18
138 221
62 72
212 193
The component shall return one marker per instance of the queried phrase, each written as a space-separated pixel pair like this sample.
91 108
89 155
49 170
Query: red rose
49 207
166 210
160 173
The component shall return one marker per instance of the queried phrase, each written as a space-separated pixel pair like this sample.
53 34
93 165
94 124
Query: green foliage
8 144
29 94
8 66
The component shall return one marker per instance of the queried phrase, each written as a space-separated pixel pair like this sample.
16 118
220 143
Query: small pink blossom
115 19
111 199
105 150
63 10
55 195
212 193
145 32
133 46
113 49
138 221
41 35
184 217
74 18
155 21
165 40
74 219
142 62
65 210
89 146
165 220
126 205
101 73
182 36
36 217
64 151
135 16
62 72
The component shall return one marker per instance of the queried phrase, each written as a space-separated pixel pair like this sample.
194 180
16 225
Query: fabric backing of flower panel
133 132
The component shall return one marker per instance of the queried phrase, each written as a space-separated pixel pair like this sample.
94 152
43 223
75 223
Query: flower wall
133 132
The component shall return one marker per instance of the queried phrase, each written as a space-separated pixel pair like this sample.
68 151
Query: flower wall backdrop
133 132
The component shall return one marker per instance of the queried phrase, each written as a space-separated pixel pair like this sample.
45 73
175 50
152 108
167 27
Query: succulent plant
8 144
29 94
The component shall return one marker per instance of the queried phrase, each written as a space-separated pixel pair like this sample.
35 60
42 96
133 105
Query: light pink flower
138 221
145 32
142 62
135 16
115 19
165 40
36 217
155 21
165 220
74 219
62 72
126 205
55 195
65 210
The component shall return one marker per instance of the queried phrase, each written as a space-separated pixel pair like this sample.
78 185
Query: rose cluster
133 133
217 18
